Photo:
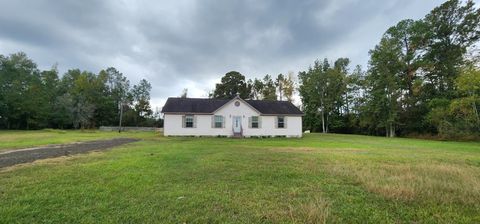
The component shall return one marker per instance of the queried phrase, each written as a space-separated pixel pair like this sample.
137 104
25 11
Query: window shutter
223 121
183 121
259 122
213 121
249 122
276 122
285 122
194 121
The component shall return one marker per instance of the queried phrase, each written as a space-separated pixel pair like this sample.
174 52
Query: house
234 118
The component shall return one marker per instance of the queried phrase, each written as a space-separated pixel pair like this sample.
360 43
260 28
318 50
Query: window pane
254 122
189 121
280 122
218 121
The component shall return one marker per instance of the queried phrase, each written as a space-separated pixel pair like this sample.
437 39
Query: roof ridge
210 105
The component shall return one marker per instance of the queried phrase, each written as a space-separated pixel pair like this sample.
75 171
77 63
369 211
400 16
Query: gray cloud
191 44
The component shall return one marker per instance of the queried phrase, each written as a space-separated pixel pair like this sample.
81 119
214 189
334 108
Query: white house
233 118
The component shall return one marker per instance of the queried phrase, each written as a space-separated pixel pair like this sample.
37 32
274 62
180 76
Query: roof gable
234 100
209 106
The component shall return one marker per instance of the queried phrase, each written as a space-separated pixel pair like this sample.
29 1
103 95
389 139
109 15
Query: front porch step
237 135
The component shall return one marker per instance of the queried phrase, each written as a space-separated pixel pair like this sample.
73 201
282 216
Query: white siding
173 123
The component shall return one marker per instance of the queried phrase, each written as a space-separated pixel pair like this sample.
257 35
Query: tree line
423 79
34 99
233 83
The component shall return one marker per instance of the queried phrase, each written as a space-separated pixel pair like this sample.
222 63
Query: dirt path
14 157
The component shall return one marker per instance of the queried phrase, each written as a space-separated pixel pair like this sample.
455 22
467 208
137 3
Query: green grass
319 178
23 139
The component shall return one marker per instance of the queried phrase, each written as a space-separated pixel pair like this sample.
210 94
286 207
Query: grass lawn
319 178
23 139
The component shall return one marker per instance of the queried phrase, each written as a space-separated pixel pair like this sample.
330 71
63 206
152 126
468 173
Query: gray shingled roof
201 105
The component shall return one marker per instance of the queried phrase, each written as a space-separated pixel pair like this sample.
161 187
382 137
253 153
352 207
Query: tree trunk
391 131
120 120
323 122
476 111
326 123
323 115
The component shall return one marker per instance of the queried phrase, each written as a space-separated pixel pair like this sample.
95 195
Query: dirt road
18 156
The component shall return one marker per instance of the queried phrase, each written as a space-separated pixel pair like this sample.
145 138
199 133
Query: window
280 122
218 121
189 121
254 122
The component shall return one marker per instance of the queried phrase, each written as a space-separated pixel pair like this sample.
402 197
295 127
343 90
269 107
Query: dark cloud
190 44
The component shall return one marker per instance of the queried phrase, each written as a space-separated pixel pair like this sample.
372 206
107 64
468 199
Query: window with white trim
280 122
189 121
218 121
255 122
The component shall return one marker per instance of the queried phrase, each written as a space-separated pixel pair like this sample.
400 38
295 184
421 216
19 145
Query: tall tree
383 91
269 90
453 27
279 81
21 92
257 88
288 87
232 84
322 90
141 99
285 86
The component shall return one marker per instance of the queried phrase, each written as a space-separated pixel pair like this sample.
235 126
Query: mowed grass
23 139
321 178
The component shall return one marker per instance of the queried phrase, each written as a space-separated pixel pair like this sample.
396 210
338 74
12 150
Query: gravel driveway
18 156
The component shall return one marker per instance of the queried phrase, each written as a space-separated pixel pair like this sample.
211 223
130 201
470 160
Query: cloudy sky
191 44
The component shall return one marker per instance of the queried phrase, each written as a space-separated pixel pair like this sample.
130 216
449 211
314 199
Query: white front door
237 124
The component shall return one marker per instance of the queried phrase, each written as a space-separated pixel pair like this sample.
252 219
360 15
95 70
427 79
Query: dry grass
314 211
420 175
445 183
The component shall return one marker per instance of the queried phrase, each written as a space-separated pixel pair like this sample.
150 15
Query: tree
269 90
285 86
21 92
141 99
383 86
452 28
322 90
50 82
288 87
82 112
257 88
63 110
231 85
279 84
184 93
118 87
463 118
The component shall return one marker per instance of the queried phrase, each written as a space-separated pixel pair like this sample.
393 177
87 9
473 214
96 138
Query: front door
237 124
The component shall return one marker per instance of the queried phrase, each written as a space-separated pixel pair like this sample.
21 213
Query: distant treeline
422 79
34 99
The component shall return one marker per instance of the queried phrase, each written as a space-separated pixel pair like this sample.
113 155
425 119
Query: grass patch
321 178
